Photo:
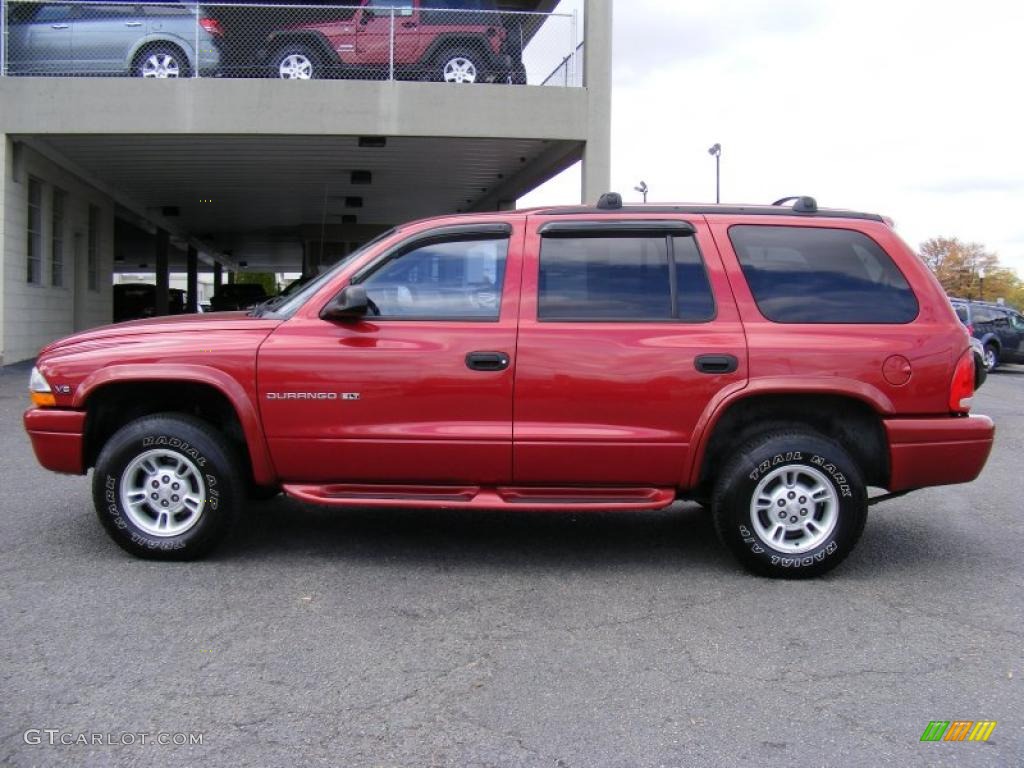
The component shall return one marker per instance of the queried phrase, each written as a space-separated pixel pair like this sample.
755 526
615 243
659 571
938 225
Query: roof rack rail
610 201
803 204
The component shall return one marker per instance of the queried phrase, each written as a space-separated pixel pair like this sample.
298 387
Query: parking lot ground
373 638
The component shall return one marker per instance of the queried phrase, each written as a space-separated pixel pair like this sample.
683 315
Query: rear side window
623 279
820 275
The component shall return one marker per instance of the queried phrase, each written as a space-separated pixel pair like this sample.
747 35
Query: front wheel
167 487
790 505
460 67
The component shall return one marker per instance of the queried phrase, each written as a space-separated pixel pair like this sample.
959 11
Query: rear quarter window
821 275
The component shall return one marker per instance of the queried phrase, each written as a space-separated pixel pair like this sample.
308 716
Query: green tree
266 279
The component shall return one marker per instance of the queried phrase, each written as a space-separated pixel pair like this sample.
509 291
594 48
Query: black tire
212 483
816 462
991 357
164 54
297 53
462 63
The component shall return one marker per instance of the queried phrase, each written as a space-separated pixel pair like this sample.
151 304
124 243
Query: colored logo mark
958 730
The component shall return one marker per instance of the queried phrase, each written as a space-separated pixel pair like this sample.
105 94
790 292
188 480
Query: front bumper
57 436
937 451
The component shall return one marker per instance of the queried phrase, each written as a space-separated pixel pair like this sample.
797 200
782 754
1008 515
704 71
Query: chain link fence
454 41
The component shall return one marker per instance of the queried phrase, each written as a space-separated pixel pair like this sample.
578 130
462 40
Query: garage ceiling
210 185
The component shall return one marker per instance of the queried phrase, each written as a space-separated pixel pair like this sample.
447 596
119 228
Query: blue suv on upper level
999 328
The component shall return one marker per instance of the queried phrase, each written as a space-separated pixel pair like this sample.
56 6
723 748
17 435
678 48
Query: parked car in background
116 39
455 41
133 301
999 328
980 371
237 296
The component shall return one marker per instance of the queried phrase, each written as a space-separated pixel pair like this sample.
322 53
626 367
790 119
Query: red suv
771 363
405 39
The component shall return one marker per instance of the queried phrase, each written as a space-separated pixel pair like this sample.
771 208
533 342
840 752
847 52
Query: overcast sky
905 108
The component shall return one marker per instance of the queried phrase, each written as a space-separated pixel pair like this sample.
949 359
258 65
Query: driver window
441 281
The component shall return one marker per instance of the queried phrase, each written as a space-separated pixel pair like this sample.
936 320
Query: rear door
628 332
40 39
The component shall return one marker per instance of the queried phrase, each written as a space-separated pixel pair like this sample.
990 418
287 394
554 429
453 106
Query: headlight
39 389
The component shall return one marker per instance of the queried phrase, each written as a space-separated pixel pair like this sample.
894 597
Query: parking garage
193 182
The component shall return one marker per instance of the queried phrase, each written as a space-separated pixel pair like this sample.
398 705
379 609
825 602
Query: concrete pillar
6 172
597 78
192 280
218 275
163 274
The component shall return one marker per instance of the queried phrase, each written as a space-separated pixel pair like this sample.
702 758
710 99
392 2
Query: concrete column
6 173
597 78
192 281
163 274
218 275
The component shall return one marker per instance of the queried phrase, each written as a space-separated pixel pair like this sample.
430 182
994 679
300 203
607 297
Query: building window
35 230
92 256
57 238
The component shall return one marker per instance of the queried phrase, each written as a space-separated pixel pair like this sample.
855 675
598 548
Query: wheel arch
149 41
855 422
471 42
116 395
316 40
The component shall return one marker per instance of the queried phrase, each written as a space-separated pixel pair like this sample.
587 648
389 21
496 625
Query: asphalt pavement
381 638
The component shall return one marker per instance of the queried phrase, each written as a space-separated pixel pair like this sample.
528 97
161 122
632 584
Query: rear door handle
409 24
487 361
58 26
716 363
133 23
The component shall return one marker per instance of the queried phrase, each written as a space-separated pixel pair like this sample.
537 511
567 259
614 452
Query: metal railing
374 40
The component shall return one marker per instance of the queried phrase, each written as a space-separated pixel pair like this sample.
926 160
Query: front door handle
58 26
409 24
487 361
716 363
133 23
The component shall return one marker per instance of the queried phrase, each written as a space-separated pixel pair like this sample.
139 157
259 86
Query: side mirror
350 304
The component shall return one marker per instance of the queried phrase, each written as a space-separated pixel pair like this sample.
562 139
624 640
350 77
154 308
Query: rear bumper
57 437
941 451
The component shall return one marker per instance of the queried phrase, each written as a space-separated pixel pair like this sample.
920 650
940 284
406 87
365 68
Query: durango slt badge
312 396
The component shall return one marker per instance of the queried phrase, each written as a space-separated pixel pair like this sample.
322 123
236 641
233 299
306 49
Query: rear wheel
296 62
161 61
790 504
167 487
991 357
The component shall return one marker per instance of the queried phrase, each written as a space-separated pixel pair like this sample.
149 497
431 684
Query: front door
418 391
374 35
628 332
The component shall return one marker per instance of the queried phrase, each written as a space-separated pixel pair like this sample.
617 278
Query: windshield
286 306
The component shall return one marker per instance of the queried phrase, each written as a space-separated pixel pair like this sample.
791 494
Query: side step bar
475 497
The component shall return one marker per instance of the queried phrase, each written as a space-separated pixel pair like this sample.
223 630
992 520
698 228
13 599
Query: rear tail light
212 26
961 389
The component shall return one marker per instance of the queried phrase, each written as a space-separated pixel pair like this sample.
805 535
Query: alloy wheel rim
794 509
295 66
162 493
161 65
460 70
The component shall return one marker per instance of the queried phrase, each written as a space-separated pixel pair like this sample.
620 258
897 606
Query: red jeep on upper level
456 42
770 362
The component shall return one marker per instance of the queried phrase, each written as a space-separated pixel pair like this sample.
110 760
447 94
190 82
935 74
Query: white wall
32 315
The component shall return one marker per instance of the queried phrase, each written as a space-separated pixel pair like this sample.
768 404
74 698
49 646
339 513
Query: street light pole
642 189
981 284
716 152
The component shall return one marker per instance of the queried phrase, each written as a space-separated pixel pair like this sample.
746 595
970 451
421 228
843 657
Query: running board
475 497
